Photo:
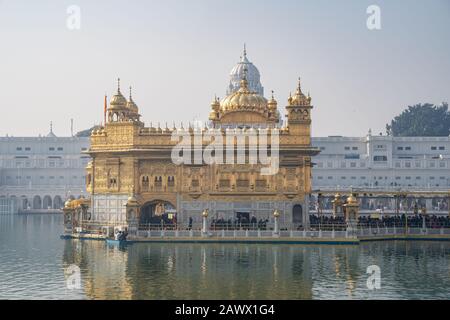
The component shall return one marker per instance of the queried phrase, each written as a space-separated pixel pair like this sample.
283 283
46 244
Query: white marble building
252 75
40 173
382 162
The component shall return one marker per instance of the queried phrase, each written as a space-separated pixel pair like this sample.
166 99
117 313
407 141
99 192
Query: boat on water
117 242
120 238
83 236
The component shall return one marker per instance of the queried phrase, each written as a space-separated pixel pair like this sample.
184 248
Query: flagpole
104 111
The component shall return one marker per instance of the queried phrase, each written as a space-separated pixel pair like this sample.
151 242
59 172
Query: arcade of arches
36 202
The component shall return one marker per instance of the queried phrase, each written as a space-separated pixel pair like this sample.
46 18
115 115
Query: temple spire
244 82
299 87
244 58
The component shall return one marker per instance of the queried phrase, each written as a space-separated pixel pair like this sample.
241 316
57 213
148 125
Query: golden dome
352 200
299 99
215 104
244 99
132 105
272 103
118 101
132 200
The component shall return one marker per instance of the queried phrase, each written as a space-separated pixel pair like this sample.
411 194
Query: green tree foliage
425 120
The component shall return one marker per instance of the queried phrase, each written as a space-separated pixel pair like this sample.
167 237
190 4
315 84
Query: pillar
306 212
429 204
276 227
132 214
352 213
205 223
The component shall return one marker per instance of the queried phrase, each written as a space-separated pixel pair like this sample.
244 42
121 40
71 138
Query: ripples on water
33 261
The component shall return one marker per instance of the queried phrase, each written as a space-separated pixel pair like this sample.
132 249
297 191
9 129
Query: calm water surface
36 264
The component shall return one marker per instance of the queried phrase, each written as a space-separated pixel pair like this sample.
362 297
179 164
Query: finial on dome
245 50
130 94
272 103
51 127
118 85
299 88
244 82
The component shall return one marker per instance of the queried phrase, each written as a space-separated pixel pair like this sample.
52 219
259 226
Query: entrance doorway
297 214
158 213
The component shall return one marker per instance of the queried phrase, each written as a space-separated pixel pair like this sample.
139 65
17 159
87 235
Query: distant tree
426 120
87 132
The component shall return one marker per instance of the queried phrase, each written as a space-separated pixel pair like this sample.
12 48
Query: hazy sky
178 54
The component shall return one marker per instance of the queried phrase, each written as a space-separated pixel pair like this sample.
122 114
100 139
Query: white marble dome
253 76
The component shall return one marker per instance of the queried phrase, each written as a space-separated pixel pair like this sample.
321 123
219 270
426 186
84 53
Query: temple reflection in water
191 271
224 271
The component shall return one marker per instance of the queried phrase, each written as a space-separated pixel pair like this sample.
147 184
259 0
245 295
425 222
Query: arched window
37 202
47 203
112 182
158 181
145 182
57 202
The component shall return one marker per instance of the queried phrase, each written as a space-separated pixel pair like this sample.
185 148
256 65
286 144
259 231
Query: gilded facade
133 179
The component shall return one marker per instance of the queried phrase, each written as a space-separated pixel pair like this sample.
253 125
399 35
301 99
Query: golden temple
133 179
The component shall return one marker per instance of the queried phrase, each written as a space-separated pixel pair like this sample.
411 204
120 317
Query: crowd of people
413 221
316 222
384 204
239 224
327 223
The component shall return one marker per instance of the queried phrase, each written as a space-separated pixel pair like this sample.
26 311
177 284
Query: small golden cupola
117 106
299 114
215 109
131 105
272 106
133 110
118 101
299 99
